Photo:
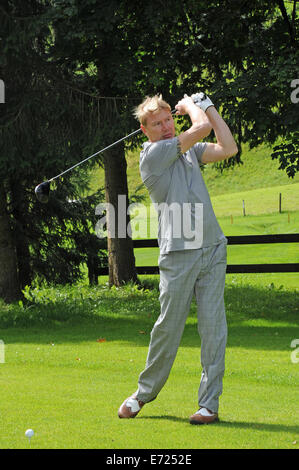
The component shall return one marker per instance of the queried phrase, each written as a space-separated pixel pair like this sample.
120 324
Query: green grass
257 182
258 171
64 383
257 201
72 354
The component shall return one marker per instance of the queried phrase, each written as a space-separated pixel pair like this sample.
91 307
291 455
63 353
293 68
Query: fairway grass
257 201
73 354
65 378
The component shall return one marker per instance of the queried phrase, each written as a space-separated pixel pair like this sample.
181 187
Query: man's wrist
192 108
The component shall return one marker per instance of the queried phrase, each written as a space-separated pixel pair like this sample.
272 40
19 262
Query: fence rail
232 268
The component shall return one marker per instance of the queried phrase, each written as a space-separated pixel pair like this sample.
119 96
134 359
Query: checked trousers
183 274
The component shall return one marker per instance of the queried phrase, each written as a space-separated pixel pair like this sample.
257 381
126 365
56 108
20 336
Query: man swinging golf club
170 169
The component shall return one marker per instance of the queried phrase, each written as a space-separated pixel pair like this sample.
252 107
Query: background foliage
73 70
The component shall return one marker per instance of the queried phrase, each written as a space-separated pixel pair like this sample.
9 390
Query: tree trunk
121 260
9 282
20 209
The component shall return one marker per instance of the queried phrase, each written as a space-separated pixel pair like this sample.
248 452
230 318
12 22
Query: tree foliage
38 136
73 70
248 56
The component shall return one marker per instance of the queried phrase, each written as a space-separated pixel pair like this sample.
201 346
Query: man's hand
204 117
201 126
202 100
185 105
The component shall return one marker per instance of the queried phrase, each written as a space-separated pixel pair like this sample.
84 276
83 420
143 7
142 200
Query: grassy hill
257 171
258 183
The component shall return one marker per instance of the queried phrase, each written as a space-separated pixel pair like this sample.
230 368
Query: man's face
159 126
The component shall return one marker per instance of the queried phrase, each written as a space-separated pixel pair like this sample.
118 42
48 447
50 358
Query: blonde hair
151 104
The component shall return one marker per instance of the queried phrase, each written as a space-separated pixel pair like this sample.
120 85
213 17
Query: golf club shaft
97 153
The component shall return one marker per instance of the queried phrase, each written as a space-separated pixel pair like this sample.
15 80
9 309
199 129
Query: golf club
42 190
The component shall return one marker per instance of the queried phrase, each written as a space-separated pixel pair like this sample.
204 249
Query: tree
75 69
121 58
249 57
38 134
9 288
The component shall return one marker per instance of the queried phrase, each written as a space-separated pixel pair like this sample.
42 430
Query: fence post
2 92
280 203
244 208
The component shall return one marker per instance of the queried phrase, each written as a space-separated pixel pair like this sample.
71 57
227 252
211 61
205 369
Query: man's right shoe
130 407
203 416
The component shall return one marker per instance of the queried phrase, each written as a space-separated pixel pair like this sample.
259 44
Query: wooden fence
231 268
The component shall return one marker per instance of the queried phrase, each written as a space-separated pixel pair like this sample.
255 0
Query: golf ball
29 433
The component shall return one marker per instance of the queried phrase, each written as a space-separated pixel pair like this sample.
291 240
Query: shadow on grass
165 418
259 426
232 424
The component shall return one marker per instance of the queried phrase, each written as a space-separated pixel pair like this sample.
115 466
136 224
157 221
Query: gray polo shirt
186 218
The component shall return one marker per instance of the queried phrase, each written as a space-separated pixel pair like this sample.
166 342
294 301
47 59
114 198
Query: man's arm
226 146
201 126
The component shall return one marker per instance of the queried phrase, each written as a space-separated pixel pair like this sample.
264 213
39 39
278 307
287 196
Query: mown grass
65 375
73 353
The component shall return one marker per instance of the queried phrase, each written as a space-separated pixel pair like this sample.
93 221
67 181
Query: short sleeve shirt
186 219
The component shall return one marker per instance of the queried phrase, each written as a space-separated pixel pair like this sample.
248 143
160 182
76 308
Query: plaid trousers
200 272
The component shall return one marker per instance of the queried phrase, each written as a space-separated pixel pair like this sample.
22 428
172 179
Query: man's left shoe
130 407
203 416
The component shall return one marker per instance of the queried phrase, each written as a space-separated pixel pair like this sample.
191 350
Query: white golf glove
202 100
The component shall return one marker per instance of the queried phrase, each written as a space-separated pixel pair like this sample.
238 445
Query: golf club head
42 192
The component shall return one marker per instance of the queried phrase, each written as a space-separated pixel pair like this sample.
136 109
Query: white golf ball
29 433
